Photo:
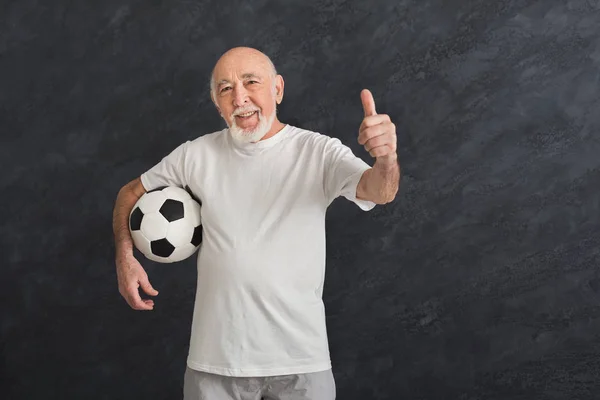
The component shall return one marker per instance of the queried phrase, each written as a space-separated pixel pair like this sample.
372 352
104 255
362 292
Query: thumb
368 102
147 287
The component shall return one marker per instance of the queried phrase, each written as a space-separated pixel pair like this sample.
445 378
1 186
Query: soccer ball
165 224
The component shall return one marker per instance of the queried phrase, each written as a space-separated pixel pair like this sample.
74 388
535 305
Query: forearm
124 203
381 182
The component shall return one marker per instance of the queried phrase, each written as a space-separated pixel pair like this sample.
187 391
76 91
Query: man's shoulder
315 139
309 136
207 139
200 146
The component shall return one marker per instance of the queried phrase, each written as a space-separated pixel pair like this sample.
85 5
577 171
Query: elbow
384 200
388 198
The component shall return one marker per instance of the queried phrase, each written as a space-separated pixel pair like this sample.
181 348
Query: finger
381 140
140 305
368 102
381 147
368 133
149 303
381 151
135 301
147 287
373 120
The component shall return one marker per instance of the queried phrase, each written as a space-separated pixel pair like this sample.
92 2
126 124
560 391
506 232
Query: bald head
238 55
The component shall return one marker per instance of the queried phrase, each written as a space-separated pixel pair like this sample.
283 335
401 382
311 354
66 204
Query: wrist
124 250
387 162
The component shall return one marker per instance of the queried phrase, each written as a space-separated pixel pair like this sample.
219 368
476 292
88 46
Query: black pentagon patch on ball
172 210
135 221
162 248
157 189
197 237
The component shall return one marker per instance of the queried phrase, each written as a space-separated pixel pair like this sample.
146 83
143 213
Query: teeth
247 114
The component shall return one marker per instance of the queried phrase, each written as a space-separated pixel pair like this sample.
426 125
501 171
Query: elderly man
258 328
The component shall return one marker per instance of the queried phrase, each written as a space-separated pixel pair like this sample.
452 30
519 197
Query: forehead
246 75
240 68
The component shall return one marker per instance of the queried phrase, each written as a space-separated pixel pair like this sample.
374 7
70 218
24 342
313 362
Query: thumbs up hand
377 133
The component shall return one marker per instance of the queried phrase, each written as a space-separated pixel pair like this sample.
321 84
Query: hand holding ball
165 224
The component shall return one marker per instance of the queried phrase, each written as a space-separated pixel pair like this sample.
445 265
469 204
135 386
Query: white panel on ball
141 242
176 193
180 232
154 226
151 202
183 252
191 209
152 257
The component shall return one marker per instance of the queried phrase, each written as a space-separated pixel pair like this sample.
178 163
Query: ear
215 102
279 86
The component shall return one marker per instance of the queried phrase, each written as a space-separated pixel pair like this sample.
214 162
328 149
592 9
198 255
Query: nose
240 96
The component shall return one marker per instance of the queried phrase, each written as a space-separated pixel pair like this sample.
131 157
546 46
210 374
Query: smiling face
246 91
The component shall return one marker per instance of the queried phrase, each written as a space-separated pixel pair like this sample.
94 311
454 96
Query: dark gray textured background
480 281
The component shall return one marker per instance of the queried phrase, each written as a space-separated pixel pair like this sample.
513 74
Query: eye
253 81
225 88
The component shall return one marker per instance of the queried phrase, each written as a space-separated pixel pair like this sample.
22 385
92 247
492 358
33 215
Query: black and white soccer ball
165 224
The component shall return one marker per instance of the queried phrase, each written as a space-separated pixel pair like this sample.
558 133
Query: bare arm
380 183
130 273
126 199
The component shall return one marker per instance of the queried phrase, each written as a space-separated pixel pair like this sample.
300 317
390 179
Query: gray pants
199 385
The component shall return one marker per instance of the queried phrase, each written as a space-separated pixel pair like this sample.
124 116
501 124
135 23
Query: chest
249 195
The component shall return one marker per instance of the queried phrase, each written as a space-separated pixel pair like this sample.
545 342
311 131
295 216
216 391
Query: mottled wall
479 282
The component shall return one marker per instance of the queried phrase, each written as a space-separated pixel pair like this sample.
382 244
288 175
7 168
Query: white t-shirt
261 266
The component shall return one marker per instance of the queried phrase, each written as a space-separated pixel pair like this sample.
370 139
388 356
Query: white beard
252 135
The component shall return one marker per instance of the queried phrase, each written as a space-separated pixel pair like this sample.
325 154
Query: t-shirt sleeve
169 171
343 171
